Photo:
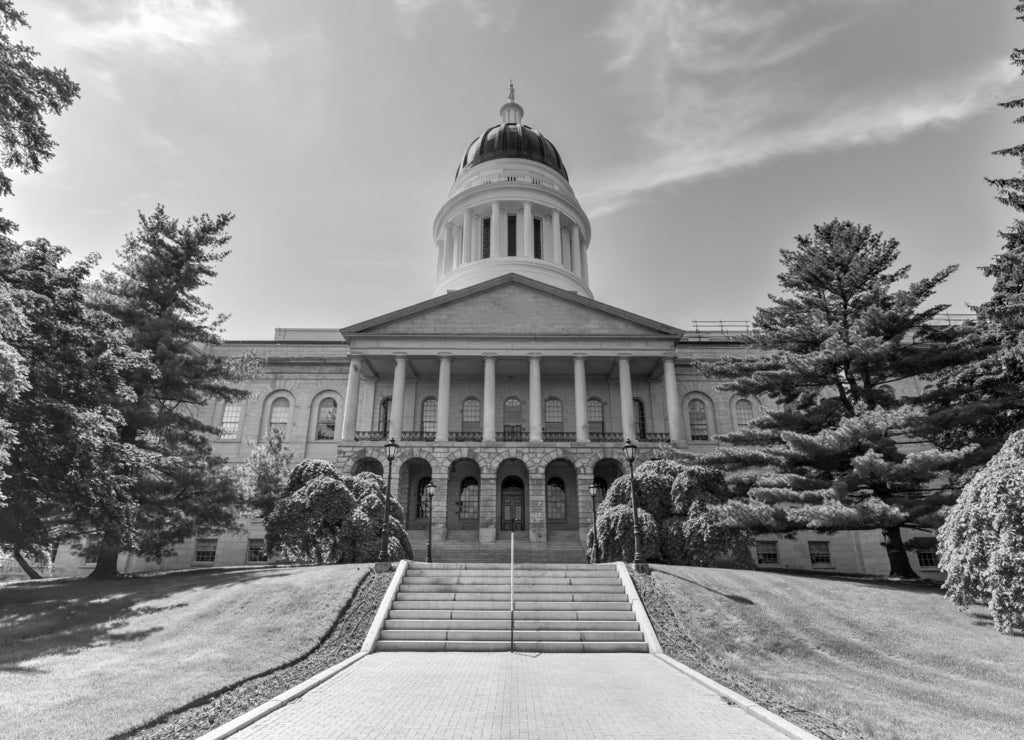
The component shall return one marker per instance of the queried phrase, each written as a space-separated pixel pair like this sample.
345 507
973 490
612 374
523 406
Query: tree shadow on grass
731 597
39 619
889 584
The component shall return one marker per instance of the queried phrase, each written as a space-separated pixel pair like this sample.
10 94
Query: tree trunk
106 558
899 562
29 570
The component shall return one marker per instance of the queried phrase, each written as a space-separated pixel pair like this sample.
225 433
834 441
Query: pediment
512 305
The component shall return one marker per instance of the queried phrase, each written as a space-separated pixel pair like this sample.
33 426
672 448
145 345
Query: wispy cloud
485 14
158 26
725 84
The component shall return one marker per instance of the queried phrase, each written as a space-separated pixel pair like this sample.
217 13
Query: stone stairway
559 547
558 608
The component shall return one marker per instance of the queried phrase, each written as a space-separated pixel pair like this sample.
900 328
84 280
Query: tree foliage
837 452
981 401
327 517
265 474
982 541
27 93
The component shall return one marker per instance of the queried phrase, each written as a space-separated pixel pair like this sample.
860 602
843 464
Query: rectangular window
767 552
229 421
256 552
820 554
512 235
928 558
485 238
206 551
538 240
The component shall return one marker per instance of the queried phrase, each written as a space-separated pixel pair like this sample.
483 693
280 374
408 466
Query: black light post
639 564
429 491
391 450
595 492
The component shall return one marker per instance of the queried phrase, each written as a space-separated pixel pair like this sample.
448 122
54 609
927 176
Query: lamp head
629 449
391 449
595 491
430 489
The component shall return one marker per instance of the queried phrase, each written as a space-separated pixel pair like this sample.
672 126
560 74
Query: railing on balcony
372 436
513 435
559 436
420 436
606 436
655 437
465 436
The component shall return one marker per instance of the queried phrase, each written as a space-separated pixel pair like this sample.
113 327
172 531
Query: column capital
492 356
623 356
580 355
400 355
444 355
535 355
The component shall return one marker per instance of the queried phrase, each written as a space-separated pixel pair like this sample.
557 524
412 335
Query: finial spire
511 112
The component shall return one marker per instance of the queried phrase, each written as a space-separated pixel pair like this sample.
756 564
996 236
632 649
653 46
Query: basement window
767 552
928 558
820 555
206 551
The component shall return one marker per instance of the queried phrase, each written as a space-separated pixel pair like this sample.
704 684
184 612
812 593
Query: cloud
156 26
721 84
485 14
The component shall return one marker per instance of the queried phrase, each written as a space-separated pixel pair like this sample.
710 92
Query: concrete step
519 580
520 595
527 625
622 615
527 635
467 605
482 588
525 646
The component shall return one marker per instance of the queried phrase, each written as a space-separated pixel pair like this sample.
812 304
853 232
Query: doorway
513 505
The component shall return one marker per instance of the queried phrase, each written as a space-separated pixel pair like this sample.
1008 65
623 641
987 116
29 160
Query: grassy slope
885 660
89 659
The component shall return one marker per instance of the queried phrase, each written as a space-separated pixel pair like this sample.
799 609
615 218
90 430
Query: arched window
229 420
485 238
556 499
326 415
553 415
422 504
471 415
513 417
744 413
428 416
278 416
469 499
595 416
698 413
639 419
602 486
384 420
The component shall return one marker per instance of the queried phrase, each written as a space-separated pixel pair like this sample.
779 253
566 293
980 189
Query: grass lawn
84 659
885 660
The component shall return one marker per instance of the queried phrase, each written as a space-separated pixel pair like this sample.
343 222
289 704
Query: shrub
697 483
654 480
615 533
327 517
982 541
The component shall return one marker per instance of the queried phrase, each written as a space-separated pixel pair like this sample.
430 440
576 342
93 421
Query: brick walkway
502 695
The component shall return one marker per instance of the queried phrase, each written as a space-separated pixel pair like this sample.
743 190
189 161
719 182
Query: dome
512 139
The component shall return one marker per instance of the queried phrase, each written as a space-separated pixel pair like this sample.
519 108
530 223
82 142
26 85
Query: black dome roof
514 140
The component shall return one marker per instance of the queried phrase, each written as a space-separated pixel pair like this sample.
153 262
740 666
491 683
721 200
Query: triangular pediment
511 305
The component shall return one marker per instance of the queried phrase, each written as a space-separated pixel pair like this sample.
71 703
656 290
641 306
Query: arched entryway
513 498
561 502
606 471
463 500
413 476
368 465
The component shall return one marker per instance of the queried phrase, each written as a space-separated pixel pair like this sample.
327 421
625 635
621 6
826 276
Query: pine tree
836 454
180 488
982 400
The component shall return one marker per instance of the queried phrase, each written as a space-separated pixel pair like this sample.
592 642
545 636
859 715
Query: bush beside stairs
558 609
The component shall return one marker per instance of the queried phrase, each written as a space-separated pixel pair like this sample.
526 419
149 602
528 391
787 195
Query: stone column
527 229
439 513
467 237
488 507
489 398
536 510
556 237
625 398
440 261
536 404
579 366
496 231
672 399
583 263
348 418
444 387
456 247
448 250
398 396
576 259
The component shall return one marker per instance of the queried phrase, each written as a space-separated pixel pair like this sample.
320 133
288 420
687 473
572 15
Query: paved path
503 695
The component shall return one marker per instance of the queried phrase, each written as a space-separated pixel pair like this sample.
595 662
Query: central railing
512 594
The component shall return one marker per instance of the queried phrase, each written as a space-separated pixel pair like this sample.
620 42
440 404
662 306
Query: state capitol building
512 389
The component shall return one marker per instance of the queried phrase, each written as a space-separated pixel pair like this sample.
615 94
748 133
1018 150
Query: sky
700 136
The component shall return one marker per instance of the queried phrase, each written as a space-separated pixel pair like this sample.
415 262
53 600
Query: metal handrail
512 594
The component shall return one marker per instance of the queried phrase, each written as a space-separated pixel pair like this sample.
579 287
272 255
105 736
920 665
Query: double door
513 515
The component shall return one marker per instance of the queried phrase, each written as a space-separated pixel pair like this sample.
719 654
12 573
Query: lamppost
596 492
428 491
639 564
391 450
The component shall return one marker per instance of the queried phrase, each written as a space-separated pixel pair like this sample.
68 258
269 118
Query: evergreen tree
982 400
180 489
836 454
69 463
